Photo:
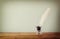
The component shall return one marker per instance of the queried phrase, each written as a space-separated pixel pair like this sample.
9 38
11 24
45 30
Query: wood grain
29 35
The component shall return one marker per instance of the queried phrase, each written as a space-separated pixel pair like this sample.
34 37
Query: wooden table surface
29 35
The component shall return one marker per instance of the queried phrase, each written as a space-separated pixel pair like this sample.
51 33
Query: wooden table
29 35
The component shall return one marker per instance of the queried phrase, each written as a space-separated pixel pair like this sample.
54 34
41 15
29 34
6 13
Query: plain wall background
24 16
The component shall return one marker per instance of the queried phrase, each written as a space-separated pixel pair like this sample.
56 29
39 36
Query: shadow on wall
58 28
0 20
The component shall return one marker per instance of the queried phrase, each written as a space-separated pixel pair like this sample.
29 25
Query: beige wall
24 16
59 15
